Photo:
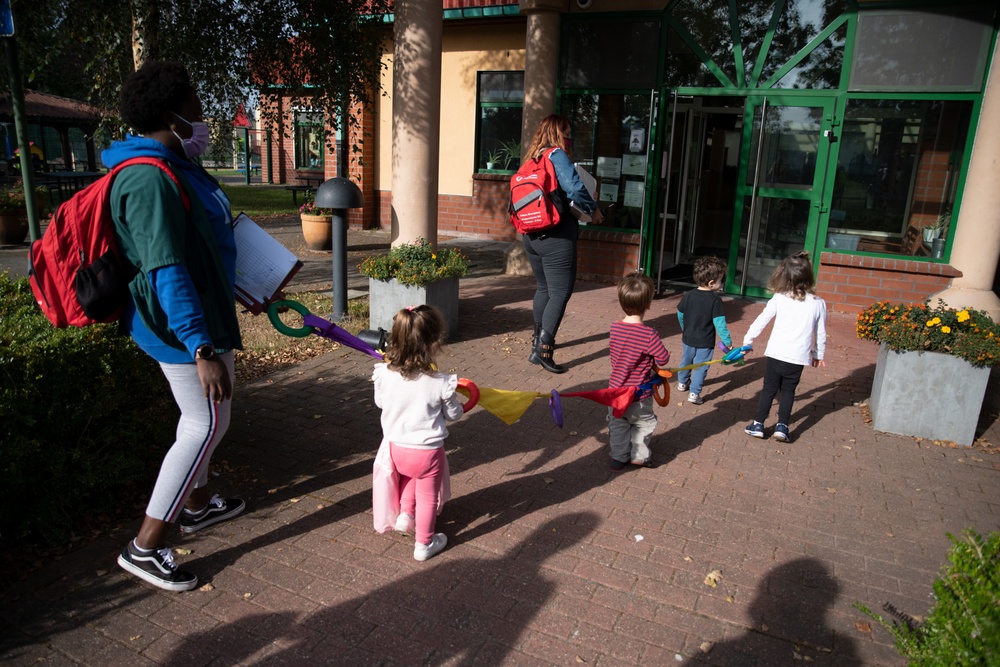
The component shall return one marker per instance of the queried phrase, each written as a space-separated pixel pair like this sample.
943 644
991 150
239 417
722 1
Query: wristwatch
205 352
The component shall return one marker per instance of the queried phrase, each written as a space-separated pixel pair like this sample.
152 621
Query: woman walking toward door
552 253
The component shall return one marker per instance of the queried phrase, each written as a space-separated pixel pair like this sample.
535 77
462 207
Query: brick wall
606 256
603 256
850 283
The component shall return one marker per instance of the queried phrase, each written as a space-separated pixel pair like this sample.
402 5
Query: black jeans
783 377
553 261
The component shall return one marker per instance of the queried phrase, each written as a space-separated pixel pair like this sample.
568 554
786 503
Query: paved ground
553 558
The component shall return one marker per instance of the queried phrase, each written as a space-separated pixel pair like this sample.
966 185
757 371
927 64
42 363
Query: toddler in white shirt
798 339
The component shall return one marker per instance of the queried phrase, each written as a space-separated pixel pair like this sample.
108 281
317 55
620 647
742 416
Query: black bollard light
339 194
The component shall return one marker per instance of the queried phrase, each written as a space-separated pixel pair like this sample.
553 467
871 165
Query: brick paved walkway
553 558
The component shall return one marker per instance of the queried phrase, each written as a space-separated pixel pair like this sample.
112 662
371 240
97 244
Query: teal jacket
154 232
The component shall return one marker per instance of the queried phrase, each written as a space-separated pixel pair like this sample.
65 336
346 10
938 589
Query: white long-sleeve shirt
799 332
414 412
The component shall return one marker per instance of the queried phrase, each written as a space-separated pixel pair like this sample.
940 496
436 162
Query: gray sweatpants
199 430
630 433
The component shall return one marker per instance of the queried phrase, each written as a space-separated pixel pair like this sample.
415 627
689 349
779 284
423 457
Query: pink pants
420 473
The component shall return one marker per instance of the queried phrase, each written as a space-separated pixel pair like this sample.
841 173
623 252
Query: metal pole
21 126
666 197
339 249
246 154
270 172
753 198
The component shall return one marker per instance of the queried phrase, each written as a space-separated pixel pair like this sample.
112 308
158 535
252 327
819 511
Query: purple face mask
198 143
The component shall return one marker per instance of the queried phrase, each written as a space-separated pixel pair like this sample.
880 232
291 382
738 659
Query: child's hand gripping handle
736 354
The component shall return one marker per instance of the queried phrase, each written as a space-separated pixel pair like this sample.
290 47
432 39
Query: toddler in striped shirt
634 348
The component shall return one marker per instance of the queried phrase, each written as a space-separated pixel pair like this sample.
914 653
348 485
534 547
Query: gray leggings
201 427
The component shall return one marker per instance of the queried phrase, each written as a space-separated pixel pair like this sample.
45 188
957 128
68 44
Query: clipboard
263 265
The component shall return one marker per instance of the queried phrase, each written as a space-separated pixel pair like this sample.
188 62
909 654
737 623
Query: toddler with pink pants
416 403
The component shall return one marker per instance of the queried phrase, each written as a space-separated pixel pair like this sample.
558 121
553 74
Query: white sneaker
404 524
695 398
422 552
681 386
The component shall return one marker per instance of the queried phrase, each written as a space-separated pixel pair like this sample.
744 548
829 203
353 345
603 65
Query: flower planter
928 395
318 231
13 227
388 297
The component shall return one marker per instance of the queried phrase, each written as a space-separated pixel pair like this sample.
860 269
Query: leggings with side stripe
201 427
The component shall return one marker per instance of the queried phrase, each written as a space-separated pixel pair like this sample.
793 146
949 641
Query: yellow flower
946 329
963 315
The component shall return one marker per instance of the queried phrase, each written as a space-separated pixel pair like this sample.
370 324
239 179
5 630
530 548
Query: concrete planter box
387 297
928 395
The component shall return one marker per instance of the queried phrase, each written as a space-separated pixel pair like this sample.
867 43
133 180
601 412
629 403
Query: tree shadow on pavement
788 623
446 611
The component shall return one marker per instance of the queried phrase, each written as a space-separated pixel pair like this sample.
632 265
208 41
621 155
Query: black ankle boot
535 356
546 345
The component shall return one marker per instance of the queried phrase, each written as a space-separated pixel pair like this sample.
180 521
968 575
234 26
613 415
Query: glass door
780 188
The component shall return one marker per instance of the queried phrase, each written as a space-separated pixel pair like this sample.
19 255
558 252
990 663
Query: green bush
963 627
83 414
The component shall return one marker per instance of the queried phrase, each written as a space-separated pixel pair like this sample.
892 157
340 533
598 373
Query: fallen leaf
763 627
183 552
134 637
689 559
706 647
272 491
294 500
639 538
888 533
863 626
247 596
848 447
713 578
579 659
206 588
548 480
830 489
101 573
730 598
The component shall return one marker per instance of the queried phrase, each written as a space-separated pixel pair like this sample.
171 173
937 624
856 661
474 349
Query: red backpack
76 270
535 196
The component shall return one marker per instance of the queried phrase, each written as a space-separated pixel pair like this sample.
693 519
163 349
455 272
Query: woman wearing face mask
182 312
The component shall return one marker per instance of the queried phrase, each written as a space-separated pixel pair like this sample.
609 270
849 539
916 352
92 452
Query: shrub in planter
967 334
83 413
415 264
962 629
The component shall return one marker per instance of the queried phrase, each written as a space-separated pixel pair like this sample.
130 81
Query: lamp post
339 194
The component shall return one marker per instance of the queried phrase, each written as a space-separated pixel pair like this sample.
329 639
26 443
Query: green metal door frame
751 194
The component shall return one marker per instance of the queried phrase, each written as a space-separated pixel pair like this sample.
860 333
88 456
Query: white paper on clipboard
590 183
263 265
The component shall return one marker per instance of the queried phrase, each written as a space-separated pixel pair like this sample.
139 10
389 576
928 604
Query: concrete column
976 248
541 65
416 120
541 69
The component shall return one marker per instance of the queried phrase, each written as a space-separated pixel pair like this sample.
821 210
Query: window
610 53
942 48
309 140
500 100
897 175
610 140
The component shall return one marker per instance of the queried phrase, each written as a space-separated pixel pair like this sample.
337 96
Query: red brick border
850 283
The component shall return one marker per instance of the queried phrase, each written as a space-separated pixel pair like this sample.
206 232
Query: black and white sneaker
217 510
156 566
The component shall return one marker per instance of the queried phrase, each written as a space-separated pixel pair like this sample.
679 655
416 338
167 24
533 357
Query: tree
325 52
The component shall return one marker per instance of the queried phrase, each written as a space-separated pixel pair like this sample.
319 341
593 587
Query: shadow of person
788 623
450 610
